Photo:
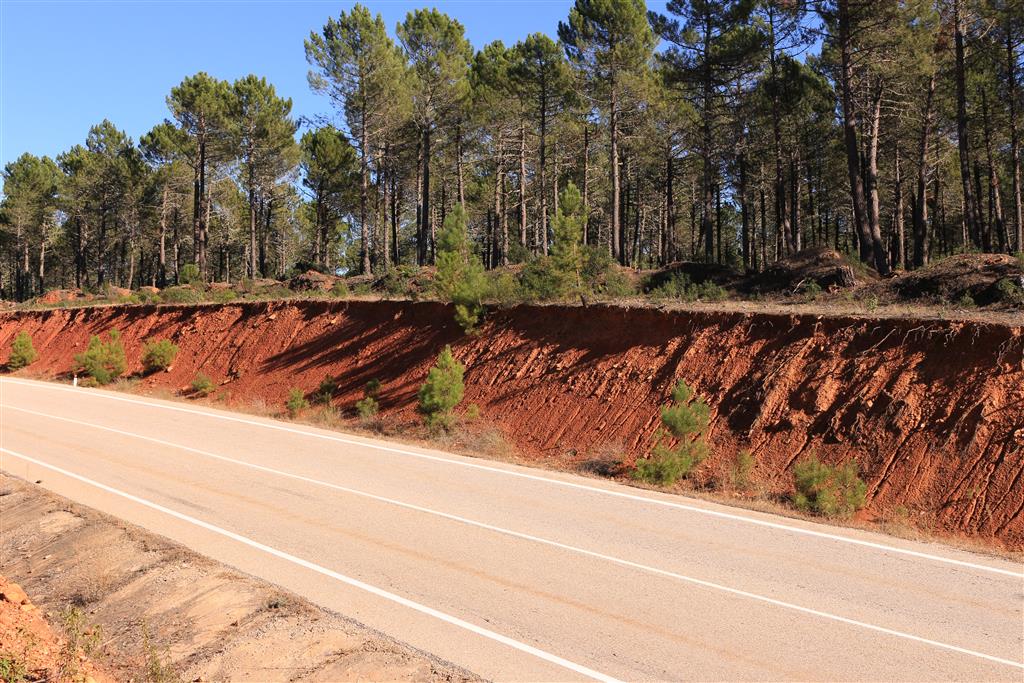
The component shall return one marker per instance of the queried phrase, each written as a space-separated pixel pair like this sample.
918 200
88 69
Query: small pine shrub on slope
296 402
158 354
103 361
23 353
368 407
460 273
442 391
685 421
826 490
202 384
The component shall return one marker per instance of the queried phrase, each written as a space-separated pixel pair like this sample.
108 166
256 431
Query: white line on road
533 477
541 540
356 583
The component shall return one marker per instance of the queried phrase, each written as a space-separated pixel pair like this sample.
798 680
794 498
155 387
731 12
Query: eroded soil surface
931 410
164 613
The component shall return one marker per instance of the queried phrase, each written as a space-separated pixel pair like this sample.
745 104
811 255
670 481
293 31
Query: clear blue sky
65 66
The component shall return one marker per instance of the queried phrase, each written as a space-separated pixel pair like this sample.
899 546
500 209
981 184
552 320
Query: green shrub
965 301
158 354
742 468
472 412
616 284
684 421
296 402
460 274
517 253
181 295
679 286
398 280
1009 292
442 391
12 670
540 281
325 392
223 296
23 353
367 407
202 384
503 288
829 491
104 361
189 274
339 290
812 290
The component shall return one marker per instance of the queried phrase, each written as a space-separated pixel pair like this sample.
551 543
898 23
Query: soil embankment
932 410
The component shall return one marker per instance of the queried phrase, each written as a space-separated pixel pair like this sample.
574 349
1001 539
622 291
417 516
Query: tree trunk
252 223
503 220
364 182
420 239
394 219
1011 65
543 163
586 181
522 184
428 227
794 202
972 214
899 258
850 135
670 208
458 163
921 240
162 268
878 246
995 200
781 210
616 225
744 217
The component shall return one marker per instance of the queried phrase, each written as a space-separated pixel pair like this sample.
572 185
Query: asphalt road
517 573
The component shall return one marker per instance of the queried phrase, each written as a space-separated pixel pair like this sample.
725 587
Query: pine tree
611 42
361 69
199 105
263 134
439 56
567 249
330 171
442 391
460 274
542 77
23 353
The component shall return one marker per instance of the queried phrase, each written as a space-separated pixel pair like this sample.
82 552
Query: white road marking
534 477
541 540
356 583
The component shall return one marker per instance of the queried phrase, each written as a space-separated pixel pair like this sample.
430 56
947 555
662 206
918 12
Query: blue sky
65 66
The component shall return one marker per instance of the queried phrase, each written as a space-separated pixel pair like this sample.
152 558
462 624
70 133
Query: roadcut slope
931 410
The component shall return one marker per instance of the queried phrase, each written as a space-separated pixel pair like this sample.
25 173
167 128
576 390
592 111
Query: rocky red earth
931 410
32 651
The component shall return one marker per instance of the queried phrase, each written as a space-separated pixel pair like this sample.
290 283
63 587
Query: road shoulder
159 604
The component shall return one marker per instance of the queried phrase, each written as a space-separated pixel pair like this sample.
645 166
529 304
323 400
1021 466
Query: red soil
933 411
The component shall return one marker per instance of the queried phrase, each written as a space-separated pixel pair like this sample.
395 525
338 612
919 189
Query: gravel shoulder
165 613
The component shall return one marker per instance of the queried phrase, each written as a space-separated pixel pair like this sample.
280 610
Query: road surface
518 573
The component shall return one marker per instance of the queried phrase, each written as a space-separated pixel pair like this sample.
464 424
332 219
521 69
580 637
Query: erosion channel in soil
931 410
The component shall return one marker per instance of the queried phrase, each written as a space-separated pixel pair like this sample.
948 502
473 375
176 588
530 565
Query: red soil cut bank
933 411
